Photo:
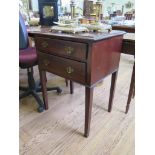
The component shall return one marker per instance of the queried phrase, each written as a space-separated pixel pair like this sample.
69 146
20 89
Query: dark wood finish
97 56
88 109
71 87
128 29
128 47
66 68
105 58
62 48
43 86
79 37
66 82
131 90
133 94
112 90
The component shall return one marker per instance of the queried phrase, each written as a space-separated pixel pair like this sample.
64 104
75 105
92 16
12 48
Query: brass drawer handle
46 62
69 70
44 44
69 50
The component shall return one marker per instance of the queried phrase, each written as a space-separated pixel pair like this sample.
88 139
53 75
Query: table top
83 37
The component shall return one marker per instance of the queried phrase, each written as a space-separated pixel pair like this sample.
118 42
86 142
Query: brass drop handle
46 62
44 44
69 50
69 70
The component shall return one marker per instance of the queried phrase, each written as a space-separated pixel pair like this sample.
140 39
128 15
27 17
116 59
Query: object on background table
48 10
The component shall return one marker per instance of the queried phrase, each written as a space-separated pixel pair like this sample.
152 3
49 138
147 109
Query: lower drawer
63 67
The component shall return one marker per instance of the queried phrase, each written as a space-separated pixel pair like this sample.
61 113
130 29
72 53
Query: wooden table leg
88 109
43 85
71 87
131 90
112 90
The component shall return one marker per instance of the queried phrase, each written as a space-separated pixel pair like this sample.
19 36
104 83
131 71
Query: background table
126 28
129 48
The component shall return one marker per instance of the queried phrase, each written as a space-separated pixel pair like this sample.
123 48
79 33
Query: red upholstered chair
28 59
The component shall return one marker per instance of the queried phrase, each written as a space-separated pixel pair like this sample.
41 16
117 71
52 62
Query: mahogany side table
84 58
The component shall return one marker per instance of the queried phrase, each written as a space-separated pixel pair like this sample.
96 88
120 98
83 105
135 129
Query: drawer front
62 48
63 67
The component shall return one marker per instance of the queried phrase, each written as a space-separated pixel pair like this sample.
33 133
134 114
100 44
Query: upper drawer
62 48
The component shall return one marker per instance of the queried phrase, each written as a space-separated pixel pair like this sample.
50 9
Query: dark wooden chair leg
131 90
71 87
43 80
66 82
133 94
112 90
88 109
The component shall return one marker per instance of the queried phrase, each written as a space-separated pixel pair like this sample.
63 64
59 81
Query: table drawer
62 48
63 67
